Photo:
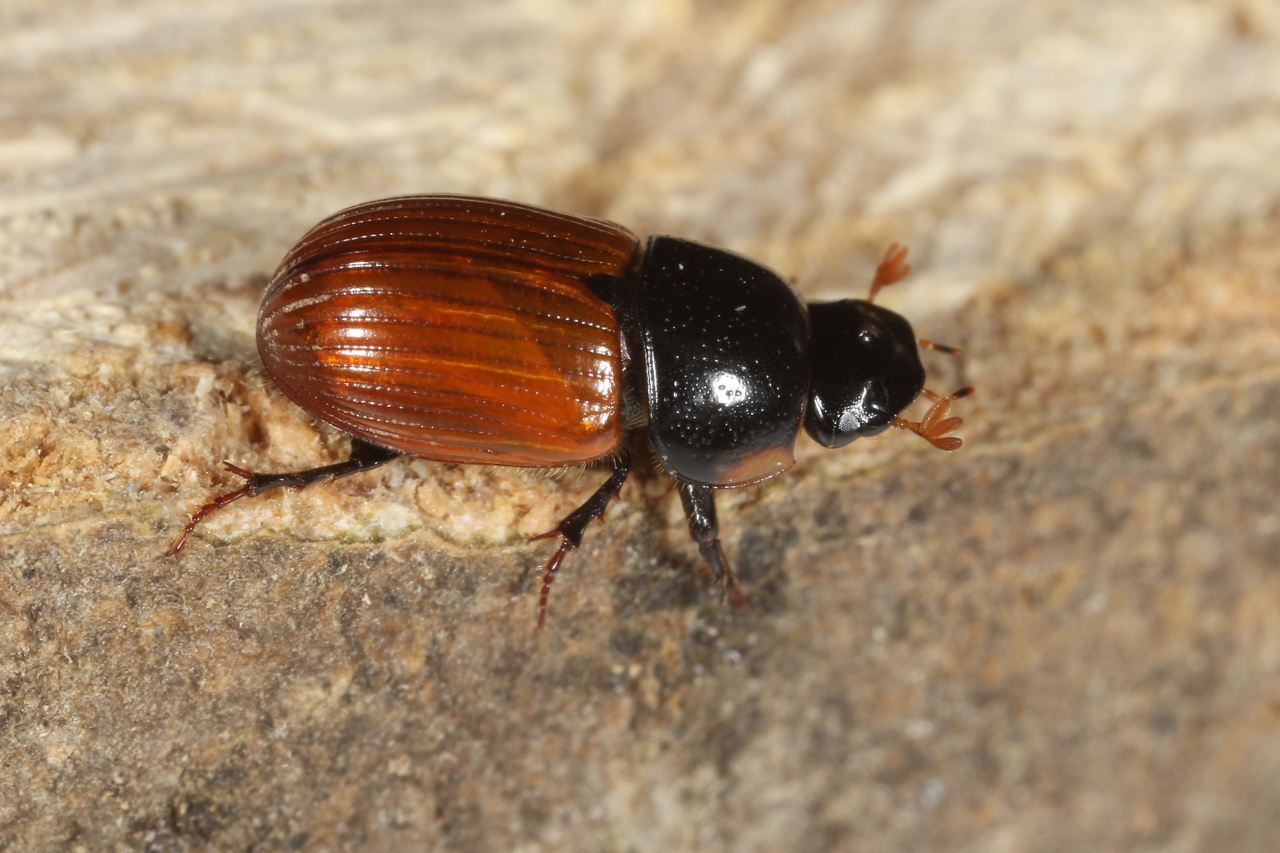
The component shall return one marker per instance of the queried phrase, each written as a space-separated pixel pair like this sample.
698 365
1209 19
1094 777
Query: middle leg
570 530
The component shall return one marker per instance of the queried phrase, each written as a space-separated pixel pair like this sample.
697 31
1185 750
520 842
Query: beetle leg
700 508
570 530
363 457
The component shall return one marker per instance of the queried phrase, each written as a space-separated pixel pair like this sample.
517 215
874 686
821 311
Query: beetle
481 331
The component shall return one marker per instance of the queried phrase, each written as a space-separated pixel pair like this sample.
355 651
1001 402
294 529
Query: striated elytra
482 331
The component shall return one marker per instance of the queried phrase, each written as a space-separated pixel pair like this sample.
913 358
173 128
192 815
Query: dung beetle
475 330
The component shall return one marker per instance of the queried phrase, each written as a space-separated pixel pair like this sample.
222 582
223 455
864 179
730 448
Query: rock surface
1065 636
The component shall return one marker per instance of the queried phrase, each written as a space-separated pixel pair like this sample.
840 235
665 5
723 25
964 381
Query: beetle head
865 369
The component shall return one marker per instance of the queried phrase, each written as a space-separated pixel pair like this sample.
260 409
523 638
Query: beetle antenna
935 426
893 268
942 348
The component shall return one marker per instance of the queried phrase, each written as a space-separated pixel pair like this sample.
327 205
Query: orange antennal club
893 268
935 427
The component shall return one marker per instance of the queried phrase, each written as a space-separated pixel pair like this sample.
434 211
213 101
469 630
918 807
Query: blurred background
1064 636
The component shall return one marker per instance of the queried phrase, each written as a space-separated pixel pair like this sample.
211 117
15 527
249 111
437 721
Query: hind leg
363 457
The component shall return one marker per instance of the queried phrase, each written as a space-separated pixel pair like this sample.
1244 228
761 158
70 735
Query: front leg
700 508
